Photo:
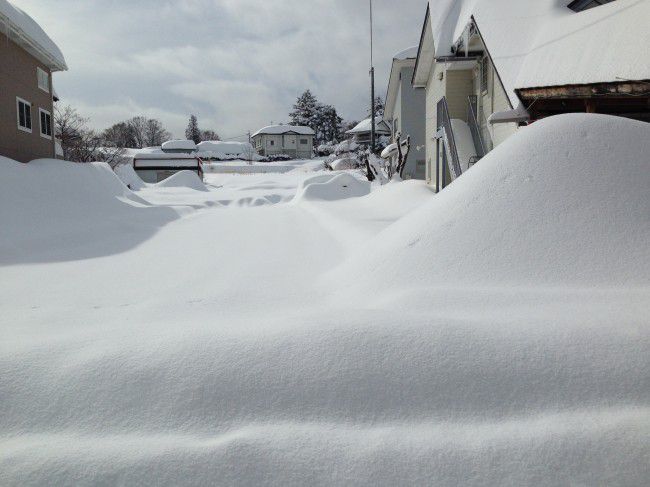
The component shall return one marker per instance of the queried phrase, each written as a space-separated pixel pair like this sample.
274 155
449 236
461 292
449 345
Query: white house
405 111
294 141
361 133
490 66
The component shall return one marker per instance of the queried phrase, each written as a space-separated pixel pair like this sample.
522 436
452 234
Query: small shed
154 166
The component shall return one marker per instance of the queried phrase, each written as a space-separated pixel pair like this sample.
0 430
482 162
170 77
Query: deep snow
377 340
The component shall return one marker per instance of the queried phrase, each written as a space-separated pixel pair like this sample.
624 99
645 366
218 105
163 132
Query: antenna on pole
372 87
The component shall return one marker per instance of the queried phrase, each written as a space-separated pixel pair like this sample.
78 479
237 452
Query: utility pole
372 88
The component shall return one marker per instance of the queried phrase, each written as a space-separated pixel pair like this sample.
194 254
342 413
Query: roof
524 38
284 129
364 127
26 32
403 59
410 53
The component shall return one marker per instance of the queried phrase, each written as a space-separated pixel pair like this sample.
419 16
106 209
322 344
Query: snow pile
564 201
52 210
183 179
12 16
227 151
344 163
179 145
129 177
332 187
217 348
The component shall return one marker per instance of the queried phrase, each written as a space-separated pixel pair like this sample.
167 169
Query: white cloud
236 64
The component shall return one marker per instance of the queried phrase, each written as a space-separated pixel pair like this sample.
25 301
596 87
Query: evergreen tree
192 132
379 108
305 110
328 125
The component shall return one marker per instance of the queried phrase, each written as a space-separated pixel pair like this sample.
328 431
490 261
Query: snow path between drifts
219 349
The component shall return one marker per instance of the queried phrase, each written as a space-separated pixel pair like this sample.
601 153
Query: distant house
28 57
361 133
405 111
491 66
155 164
293 141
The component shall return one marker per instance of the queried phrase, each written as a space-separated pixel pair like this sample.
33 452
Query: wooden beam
618 89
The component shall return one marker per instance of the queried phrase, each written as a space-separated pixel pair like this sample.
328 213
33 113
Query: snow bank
563 202
129 177
183 179
332 187
53 210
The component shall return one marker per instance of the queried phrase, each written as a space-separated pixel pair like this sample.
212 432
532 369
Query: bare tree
79 143
155 134
209 135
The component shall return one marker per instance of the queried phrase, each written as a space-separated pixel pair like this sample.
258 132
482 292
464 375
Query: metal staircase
451 150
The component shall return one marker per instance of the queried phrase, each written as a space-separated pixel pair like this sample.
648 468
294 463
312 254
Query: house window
304 141
46 123
271 142
485 68
24 115
43 80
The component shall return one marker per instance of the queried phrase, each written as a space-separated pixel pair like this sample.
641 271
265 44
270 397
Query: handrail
472 120
444 122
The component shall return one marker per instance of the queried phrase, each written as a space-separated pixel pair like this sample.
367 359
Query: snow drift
331 187
54 210
183 179
564 201
214 350
129 177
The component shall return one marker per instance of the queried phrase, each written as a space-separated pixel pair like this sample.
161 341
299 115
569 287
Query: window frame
41 112
22 128
46 78
304 141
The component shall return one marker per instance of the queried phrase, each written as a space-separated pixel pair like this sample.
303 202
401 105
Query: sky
238 65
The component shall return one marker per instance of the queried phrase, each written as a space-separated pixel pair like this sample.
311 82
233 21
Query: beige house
405 112
489 67
277 140
28 57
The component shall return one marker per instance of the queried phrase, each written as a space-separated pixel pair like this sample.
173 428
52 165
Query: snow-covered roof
401 60
544 43
187 145
381 127
410 53
156 154
26 32
284 129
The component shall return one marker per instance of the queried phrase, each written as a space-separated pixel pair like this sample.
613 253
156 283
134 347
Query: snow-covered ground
285 329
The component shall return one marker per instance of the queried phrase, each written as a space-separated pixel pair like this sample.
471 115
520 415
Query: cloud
236 64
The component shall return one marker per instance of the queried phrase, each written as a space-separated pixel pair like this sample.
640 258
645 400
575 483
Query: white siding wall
434 92
459 86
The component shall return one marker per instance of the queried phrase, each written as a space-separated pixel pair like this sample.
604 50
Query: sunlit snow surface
235 334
